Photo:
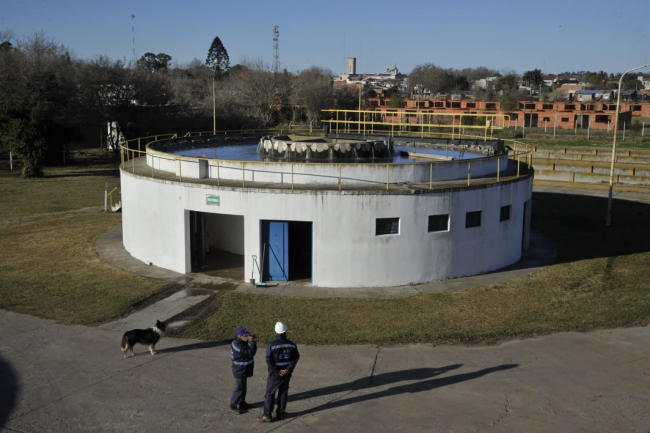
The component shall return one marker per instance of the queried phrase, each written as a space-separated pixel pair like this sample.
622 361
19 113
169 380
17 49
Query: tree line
51 100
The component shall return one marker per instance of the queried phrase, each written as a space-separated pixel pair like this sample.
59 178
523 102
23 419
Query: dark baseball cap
243 332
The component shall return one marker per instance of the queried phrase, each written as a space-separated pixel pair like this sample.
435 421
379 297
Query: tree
261 90
436 79
217 59
508 82
313 89
23 131
154 62
509 93
533 78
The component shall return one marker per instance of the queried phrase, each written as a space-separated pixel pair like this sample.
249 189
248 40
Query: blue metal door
276 250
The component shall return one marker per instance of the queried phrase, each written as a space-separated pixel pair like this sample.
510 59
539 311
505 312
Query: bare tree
261 90
313 90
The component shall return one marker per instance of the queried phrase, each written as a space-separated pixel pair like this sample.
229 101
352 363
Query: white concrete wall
322 173
346 251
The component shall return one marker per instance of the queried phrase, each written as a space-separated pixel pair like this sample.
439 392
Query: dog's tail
125 343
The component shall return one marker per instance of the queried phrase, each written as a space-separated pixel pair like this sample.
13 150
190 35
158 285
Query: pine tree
217 59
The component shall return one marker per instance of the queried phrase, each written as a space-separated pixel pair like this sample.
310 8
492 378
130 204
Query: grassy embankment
48 268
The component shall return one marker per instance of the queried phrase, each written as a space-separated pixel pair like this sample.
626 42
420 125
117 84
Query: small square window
505 213
473 219
438 223
387 226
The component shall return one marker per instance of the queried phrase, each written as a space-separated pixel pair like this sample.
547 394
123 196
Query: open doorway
217 244
286 250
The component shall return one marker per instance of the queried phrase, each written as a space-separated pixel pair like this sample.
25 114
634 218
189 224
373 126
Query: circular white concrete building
333 223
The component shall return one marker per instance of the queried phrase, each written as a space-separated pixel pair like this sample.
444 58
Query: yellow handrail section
411 122
521 153
110 195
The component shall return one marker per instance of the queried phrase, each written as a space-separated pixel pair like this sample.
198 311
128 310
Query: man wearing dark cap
281 357
242 351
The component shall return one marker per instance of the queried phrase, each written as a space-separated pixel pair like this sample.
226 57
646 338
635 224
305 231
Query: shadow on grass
577 224
87 173
8 391
425 378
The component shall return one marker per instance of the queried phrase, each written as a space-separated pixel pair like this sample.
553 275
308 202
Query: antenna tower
133 35
276 48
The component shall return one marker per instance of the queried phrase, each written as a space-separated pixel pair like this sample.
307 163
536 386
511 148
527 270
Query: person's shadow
194 346
425 378
8 391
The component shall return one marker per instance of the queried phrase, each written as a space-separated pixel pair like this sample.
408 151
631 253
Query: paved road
60 378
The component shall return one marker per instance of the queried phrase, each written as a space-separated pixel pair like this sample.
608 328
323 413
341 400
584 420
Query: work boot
244 405
235 410
265 418
279 416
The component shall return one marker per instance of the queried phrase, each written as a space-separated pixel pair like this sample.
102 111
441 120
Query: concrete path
60 378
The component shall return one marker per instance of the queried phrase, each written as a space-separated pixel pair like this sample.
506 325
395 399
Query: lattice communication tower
276 48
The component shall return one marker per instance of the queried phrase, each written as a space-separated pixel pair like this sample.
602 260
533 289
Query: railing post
138 145
243 175
292 177
431 176
469 172
133 161
517 165
218 176
180 169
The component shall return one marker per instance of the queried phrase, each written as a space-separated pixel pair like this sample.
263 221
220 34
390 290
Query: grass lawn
579 138
48 268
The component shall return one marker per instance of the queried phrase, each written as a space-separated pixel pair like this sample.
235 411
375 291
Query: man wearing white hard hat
281 357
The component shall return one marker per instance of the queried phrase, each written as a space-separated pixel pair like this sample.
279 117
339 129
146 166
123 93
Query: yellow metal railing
408 122
110 195
521 154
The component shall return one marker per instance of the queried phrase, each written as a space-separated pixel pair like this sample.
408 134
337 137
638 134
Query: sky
553 36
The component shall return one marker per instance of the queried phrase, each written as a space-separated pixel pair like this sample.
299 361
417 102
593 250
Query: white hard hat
280 328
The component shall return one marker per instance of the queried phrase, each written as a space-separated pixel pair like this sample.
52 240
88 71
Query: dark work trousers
281 386
239 393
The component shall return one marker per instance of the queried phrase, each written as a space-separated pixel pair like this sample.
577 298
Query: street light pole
214 101
611 171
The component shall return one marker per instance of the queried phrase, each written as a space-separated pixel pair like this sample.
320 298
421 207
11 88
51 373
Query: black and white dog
143 336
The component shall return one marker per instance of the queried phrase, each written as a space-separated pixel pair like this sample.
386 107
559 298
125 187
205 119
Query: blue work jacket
241 355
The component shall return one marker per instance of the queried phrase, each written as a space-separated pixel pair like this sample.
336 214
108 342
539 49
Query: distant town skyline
504 35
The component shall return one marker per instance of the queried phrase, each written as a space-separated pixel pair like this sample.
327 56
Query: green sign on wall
213 200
